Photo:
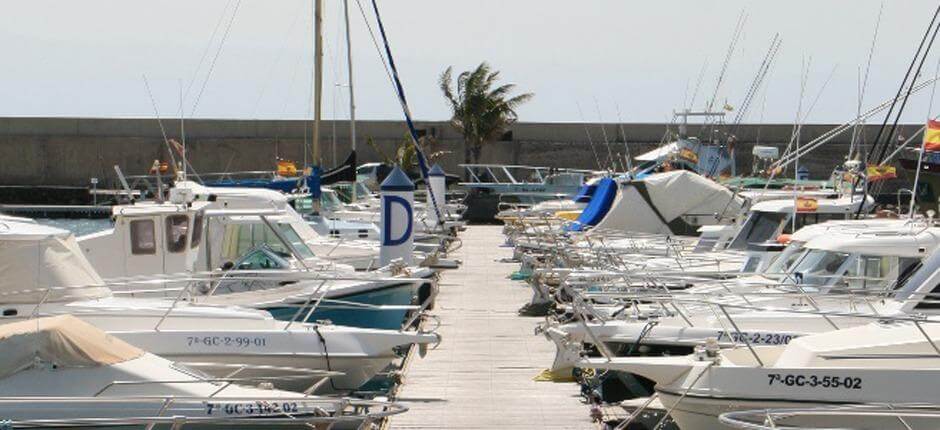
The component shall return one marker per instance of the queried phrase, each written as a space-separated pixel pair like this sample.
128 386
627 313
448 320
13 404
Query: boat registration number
756 338
814 381
236 341
251 408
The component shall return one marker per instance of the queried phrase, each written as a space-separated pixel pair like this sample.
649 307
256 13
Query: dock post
397 228
438 189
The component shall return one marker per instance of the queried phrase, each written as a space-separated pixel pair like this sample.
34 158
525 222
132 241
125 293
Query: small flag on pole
932 136
806 204
881 173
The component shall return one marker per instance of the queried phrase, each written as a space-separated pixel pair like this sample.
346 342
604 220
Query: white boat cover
656 203
65 341
34 257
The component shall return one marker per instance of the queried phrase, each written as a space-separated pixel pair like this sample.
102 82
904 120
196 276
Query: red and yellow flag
806 204
881 173
932 136
689 155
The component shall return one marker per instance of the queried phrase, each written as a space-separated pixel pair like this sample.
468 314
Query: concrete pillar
438 184
397 227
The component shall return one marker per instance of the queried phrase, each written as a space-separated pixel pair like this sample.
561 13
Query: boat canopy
598 207
64 340
34 257
658 203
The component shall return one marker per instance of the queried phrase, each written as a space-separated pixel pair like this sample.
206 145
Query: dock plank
481 375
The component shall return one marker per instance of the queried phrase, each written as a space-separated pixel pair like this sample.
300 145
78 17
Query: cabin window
878 272
143 239
198 224
177 230
760 227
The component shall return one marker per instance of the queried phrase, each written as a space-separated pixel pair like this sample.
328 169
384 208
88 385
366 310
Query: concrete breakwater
71 151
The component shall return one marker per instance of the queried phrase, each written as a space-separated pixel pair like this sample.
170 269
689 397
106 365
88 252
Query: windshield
818 267
362 190
785 260
240 238
329 201
759 227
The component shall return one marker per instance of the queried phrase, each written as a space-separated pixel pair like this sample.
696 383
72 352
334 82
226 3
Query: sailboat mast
352 97
317 77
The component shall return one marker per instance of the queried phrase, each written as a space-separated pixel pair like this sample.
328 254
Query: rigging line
724 67
422 162
277 60
375 43
156 112
698 84
610 155
588 132
628 158
864 82
910 88
884 148
205 52
907 75
923 145
215 58
755 87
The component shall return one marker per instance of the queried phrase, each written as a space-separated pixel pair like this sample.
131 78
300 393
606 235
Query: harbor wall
71 151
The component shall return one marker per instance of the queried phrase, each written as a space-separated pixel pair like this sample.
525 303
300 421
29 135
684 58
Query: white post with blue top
397 228
438 186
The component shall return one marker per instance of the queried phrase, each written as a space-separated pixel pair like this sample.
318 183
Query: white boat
45 274
894 362
837 270
61 372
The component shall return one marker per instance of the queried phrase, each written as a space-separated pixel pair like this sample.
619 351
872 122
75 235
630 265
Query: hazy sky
88 58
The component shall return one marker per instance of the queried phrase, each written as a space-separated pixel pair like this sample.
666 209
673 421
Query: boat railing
184 292
503 173
776 418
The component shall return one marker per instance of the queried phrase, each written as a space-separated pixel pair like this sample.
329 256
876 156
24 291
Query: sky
592 60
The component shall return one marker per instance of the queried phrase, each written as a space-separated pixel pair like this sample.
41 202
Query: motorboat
61 372
850 265
45 274
889 362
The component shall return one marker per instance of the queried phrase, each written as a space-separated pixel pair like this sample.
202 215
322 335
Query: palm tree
481 112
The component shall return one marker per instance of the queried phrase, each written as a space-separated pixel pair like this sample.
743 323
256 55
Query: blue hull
399 295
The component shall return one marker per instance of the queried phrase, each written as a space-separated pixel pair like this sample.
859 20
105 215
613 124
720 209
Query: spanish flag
881 173
932 136
806 204
688 155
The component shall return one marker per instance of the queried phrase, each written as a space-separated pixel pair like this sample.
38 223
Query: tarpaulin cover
35 257
65 341
597 209
651 204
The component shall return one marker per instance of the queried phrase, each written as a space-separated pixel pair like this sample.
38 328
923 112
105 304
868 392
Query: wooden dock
481 375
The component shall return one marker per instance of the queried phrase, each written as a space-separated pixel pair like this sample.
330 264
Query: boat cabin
148 238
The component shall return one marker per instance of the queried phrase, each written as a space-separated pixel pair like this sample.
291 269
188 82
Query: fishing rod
590 140
832 133
600 119
923 50
736 36
863 84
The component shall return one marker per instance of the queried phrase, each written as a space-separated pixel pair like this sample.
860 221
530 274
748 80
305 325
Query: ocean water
77 226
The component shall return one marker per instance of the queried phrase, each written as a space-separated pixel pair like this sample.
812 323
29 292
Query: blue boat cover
598 207
585 193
